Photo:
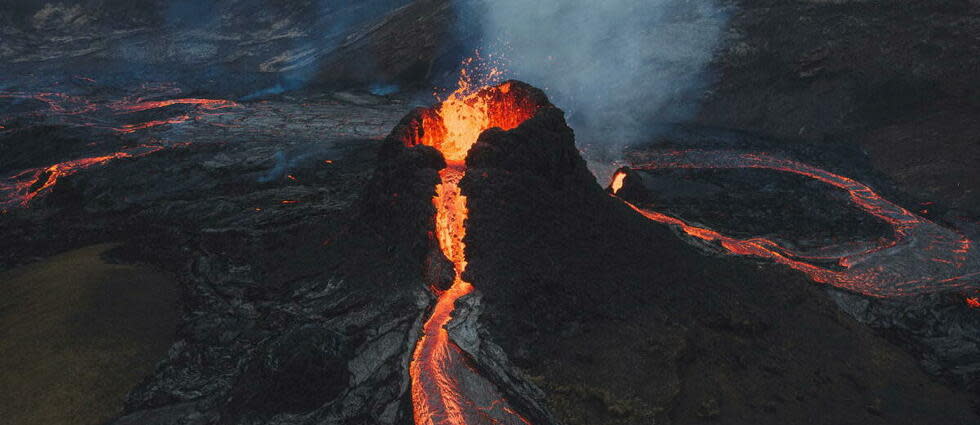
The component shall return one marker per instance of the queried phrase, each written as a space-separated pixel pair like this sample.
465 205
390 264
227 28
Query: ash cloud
617 67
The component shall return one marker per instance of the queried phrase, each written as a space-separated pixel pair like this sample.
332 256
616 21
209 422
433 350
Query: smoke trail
615 66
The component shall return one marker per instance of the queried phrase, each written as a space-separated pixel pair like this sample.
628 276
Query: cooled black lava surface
620 321
614 317
748 203
895 78
313 290
617 319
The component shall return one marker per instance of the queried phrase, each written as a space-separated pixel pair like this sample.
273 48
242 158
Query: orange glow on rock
973 302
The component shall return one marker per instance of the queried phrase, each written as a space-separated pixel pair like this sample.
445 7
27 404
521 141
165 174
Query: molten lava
455 125
143 105
923 257
23 187
617 182
82 111
439 367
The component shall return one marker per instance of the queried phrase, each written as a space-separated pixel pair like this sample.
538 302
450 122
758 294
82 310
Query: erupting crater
446 386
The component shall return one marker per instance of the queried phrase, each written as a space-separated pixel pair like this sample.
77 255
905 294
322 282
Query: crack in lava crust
446 388
18 190
923 257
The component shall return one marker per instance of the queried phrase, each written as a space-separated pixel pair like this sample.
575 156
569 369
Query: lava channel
23 187
88 112
446 387
922 258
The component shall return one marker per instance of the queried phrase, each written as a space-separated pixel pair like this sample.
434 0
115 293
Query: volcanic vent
446 387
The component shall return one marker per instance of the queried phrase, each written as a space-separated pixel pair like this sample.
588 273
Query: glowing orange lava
143 105
437 363
23 187
617 182
81 109
454 126
923 257
132 128
138 105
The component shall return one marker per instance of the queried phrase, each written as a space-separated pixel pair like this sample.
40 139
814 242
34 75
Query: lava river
923 257
19 189
77 108
446 387
74 107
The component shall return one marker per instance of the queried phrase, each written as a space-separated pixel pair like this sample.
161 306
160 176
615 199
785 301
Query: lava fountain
923 257
446 387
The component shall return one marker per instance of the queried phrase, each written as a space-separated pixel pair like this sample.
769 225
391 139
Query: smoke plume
615 66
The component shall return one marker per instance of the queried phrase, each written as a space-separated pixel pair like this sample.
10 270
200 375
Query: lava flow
89 111
23 187
446 389
922 258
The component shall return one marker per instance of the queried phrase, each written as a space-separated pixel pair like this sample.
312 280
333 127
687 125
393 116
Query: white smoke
615 66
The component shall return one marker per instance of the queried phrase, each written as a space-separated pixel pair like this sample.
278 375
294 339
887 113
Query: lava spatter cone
579 289
446 387
592 297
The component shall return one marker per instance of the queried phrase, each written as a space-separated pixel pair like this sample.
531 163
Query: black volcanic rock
543 146
296 372
895 78
620 321
280 328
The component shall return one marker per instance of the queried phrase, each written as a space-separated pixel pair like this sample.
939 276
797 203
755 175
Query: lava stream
436 398
21 188
923 257
79 110
446 388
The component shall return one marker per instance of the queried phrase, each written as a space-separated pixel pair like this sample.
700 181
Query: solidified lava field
439 212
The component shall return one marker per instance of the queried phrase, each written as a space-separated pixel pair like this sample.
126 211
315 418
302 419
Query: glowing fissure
922 258
67 105
21 188
446 389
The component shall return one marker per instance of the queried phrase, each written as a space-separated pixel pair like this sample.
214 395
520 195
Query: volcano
471 270
510 195
259 213
445 389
